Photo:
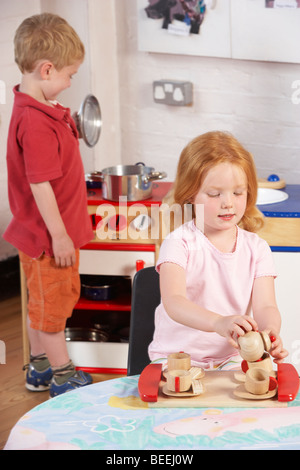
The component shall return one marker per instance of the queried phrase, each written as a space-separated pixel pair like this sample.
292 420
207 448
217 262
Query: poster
190 27
182 17
266 30
282 3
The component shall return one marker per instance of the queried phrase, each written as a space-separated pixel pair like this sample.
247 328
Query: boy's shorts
53 292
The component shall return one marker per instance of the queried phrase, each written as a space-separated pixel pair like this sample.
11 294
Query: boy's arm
63 247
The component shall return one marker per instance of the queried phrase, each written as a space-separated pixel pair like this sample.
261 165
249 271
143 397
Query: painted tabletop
110 415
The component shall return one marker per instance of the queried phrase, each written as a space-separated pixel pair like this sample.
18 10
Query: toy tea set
256 384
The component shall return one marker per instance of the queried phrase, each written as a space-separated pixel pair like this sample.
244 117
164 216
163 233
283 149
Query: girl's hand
277 351
233 326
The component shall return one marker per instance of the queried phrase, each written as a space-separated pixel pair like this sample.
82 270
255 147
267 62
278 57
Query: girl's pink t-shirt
220 282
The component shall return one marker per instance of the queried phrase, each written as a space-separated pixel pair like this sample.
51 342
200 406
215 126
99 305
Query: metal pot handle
96 176
154 175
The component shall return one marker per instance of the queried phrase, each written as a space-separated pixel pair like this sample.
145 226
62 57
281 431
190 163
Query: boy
47 195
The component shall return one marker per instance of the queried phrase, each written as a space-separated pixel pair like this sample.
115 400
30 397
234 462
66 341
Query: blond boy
47 195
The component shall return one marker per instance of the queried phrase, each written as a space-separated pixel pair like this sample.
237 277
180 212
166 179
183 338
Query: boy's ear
46 69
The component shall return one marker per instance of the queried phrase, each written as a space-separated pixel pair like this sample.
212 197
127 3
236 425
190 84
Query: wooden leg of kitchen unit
157 247
24 297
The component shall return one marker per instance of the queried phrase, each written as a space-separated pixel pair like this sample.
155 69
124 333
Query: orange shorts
53 292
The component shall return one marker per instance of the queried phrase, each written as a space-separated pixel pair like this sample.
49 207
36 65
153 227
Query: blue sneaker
77 380
38 381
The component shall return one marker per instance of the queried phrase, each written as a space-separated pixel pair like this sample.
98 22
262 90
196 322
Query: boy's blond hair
46 37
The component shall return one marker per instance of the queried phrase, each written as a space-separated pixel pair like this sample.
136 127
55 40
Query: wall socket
173 92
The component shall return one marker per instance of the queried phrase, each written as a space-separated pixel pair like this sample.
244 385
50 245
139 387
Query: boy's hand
64 251
233 326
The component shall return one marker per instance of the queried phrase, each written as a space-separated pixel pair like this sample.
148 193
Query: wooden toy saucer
196 389
196 372
241 392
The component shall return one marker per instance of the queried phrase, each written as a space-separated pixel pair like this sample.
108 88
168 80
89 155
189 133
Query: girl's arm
266 313
63 248
182 310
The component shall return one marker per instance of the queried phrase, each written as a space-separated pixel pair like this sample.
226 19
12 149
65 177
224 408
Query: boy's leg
39 373
54 345
53 293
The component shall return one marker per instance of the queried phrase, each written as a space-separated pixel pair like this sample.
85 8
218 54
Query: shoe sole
38 388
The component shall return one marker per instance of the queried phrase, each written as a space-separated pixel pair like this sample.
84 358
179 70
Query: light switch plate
173 92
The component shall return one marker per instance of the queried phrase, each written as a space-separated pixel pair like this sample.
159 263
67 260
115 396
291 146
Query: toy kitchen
130 219
127 238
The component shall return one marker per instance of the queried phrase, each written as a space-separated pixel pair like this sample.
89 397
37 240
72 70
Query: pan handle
154 175
96 176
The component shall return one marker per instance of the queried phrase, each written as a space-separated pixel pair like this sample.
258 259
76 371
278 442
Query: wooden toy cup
259 382
264 363
179 380
179 360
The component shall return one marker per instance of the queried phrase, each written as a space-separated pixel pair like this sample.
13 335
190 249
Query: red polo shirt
43 146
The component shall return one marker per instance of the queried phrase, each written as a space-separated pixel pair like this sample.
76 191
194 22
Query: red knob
140 264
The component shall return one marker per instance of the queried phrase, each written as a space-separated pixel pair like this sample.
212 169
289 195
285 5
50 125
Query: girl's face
224 196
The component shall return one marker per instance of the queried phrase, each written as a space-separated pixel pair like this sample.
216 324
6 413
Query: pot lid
88 120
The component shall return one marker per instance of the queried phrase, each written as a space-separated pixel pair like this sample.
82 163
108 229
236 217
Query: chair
145 299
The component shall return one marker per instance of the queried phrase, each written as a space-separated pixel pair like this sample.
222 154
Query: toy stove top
127 221
159 191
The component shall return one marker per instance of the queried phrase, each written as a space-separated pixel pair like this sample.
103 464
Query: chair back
145 299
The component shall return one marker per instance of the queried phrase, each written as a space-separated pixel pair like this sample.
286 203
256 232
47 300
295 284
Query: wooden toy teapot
253 345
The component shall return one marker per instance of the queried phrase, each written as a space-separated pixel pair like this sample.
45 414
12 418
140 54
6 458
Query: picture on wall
221 28
181 17
190 27
282 3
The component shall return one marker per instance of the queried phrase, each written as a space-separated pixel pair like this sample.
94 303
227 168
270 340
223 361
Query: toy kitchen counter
282 223
282 232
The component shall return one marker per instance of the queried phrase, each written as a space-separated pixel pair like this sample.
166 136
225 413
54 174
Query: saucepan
132 181
99 287
85 334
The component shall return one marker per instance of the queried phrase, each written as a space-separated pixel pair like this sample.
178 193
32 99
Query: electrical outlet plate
173 92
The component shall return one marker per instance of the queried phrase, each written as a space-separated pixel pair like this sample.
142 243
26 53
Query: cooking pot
85 334
132 181
99 287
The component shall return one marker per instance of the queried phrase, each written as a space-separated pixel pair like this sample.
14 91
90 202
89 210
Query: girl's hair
46 37
202 154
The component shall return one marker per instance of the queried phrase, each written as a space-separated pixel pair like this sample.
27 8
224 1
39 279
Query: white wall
12 13
250 99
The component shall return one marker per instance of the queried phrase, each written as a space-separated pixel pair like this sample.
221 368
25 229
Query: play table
112 416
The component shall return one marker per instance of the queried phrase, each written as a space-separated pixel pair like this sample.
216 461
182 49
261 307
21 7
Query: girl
214 270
